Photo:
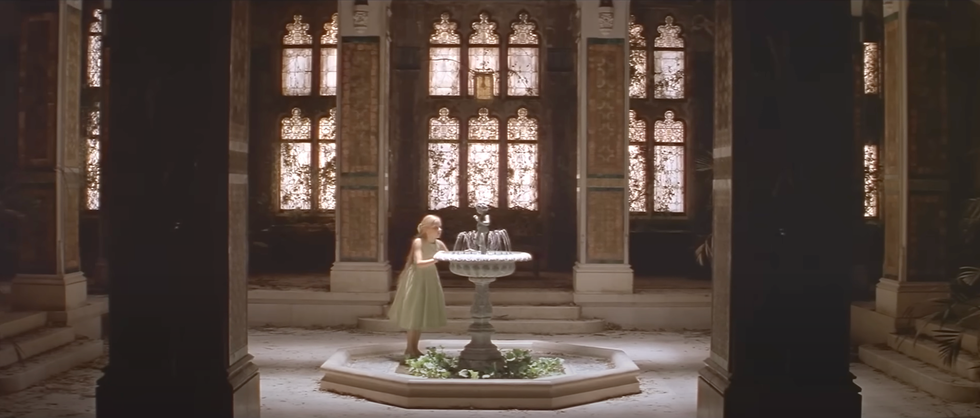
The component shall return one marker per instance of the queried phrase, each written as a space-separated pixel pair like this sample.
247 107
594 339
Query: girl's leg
413 336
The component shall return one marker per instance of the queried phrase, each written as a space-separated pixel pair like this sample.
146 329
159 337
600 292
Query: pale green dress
419 302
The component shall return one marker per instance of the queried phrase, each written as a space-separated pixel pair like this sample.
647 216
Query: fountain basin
474 264
576 387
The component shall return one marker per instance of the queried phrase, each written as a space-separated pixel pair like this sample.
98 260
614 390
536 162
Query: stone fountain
482 256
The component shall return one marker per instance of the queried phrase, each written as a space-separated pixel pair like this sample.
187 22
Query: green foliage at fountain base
518 364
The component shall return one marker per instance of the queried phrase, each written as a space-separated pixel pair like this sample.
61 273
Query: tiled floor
290 358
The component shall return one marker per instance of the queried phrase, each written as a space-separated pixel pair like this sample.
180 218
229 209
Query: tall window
93 78
308 136
658 164
872 86
483 165
668 61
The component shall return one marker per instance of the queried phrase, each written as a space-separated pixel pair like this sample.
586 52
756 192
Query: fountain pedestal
481 354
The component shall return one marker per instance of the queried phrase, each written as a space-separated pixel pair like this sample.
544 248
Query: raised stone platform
522 302
372 372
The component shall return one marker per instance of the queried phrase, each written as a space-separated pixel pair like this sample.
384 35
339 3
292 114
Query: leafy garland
518 364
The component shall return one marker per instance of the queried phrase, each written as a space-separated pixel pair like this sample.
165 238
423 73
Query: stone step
30 344
923 376
21 375
928 351
16 323
514 326
527 297
505 312
971 337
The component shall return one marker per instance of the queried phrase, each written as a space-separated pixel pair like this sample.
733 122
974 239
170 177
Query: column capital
595 20
364 17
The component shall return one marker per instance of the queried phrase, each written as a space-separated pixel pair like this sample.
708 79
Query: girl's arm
442 245
417 250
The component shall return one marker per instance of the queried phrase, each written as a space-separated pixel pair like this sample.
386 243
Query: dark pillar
786 207
175 199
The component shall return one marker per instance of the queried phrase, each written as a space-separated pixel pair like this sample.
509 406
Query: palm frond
950 343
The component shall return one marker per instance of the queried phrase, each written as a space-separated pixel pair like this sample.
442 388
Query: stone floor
290 358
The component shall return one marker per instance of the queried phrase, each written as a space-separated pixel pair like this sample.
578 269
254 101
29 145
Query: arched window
872 87
93 119
444 58
443 161
307 152
658 164
484 54
638 60
638 163
328 57
668 61
522 161
307 167
483 165
297 59
668 164
522 58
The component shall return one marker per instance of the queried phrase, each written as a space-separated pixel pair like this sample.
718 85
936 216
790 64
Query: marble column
51 174
175 197
916 165
361 264
783 223
603 209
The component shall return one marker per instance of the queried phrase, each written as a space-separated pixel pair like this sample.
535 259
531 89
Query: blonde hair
427 223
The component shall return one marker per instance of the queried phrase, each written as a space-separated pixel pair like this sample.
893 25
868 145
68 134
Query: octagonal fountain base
372 372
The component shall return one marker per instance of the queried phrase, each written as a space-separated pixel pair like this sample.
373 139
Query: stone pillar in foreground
175 192
783 222
603 217
362 265
50 158
915 158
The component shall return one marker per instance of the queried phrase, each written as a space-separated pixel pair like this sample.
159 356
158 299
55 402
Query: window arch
668 164
496 161
308 136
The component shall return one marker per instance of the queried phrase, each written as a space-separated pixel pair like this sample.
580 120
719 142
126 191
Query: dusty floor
290 358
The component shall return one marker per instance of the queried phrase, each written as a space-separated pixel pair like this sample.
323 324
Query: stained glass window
94 56
307 167
328 57
638 163
871 68
668 61
443 161
483 158
297 59
522 58
638 60
484 52
444 58
522 161
668 164
871 181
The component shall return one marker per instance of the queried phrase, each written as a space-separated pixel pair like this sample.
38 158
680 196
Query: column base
902 299
126 393
602 278
360 277
719 398
42 292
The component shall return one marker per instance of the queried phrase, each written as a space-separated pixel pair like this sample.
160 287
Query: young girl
419 303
